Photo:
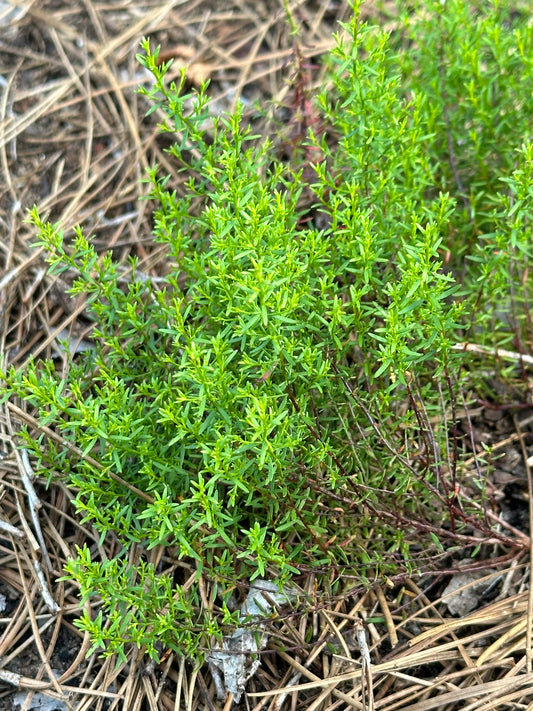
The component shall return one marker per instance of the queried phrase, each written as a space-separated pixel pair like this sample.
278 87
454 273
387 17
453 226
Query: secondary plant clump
279 403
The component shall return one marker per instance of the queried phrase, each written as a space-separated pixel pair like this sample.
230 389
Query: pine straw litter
74 141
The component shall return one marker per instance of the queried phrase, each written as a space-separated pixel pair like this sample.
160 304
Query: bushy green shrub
269 408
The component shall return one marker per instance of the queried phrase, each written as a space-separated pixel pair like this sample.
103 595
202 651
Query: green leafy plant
268 408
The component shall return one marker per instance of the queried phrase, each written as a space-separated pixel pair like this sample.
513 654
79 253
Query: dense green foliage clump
269 408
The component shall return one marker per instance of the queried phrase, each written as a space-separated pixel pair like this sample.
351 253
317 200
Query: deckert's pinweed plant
268 409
